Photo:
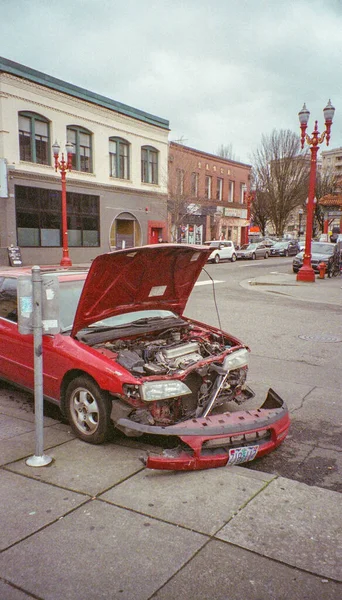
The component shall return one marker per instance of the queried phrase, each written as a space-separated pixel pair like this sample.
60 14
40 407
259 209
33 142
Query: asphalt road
296 349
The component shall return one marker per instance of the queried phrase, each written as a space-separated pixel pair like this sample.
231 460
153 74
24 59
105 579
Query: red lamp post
306 272
63 166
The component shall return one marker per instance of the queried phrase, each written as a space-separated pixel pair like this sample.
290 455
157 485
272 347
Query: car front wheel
233 258
88 410
266 255
217 258
253 256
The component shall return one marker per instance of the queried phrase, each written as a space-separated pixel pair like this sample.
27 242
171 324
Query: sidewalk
324 290
97 524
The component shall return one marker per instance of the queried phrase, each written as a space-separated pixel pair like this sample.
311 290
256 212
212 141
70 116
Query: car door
260 251
227 250
16 350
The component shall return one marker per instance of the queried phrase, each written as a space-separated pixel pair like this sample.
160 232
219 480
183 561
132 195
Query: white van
222 250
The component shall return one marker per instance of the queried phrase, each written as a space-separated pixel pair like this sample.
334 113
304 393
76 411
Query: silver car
253 251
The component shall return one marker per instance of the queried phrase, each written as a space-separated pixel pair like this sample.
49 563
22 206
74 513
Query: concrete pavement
97 524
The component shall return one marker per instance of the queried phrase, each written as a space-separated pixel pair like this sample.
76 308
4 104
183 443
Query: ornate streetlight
63 166
306 272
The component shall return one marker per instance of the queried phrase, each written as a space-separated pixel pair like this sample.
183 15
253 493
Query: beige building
117 189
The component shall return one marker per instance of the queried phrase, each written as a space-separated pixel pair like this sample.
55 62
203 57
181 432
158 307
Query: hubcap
84 411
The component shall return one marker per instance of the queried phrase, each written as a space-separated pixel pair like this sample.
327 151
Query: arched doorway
125 232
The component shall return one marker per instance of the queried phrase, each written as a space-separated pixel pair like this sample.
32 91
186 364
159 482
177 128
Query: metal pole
66 260
39 459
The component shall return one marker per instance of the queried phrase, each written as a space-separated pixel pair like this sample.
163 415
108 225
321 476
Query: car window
8 299
322 248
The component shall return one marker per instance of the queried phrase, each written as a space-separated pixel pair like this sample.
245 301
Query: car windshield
248 247
212 244
280 244
318 248
70 292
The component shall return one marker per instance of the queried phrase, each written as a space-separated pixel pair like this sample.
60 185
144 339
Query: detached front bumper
218 440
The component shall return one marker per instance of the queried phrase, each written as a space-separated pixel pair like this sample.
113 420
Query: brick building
207 196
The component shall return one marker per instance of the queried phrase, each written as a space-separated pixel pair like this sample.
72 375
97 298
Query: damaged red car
126 355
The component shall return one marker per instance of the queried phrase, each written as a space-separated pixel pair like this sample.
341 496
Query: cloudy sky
221 71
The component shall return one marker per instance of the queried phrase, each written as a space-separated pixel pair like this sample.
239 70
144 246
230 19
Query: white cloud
221 71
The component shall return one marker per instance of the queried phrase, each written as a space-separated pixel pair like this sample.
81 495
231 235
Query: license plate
242 455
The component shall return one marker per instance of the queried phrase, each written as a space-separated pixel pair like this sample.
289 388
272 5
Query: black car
320 252
285 248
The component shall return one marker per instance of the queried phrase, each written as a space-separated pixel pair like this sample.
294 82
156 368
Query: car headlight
161 390
236 360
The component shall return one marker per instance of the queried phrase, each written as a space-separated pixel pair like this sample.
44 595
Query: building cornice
204 155
18 70
80 183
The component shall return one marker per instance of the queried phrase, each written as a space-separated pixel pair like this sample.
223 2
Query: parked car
126 354
253 251
285 248
221 250
320 252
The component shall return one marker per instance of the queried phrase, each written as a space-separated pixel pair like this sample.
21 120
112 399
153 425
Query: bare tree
259 211
281 175
226 151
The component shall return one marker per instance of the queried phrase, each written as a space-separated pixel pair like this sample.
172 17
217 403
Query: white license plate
242 455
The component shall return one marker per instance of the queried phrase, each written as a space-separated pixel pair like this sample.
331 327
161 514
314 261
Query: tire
253 256
266 255
295 270
88 410
233 258
217 259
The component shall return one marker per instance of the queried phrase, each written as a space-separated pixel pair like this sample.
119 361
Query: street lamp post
300 216
63 166
306 272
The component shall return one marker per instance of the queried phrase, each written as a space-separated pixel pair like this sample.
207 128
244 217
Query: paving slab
294 523
23 445
8 592
85 468
100 551
27 505
220 571
200 500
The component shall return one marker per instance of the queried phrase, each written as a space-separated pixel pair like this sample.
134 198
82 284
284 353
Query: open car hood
149 277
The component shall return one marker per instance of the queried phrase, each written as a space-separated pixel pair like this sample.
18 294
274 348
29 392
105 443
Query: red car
126 355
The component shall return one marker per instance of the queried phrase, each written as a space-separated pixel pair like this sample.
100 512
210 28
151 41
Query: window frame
149 168
77 163
219 189
116 158
41 208
34 118
194 184
231 191
208 187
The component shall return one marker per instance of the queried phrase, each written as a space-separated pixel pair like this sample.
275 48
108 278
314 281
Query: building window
34 138
80 139
39 218
243 189
149 164
207 192
194 185
231 192
180 182
118 158
219 188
